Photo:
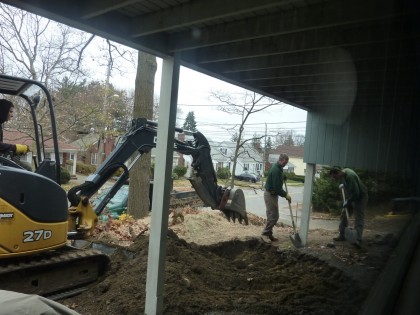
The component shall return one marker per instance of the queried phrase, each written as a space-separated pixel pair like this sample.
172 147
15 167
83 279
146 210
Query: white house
295 153
249 159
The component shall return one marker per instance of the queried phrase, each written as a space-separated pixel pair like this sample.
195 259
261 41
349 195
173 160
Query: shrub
180 171
326 196
381 187
85 169
223 173
294 177
64 176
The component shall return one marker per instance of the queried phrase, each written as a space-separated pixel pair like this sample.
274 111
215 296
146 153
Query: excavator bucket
230 201
234 207
204 180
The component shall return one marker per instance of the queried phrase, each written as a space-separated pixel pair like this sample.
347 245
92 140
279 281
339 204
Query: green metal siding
382 138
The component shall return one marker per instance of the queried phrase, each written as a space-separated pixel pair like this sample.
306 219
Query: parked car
248 177
116 206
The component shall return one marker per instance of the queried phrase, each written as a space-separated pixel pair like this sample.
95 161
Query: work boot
273 239
266 238
339 238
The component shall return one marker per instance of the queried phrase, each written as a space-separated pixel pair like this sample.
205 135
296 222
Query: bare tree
290 138
58 56
138 202
251 104
36 48
83 107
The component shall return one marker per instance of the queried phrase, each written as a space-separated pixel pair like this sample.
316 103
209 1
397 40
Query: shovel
350 234
294 237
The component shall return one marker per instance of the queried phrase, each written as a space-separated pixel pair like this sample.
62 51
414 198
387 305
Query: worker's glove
21 148
288 198
346 204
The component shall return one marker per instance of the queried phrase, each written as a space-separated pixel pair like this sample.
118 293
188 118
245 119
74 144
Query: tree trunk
138 201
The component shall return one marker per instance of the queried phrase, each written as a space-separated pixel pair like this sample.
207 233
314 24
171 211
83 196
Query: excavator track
61 273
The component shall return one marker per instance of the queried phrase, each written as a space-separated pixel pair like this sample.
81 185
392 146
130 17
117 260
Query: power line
253 124
226 105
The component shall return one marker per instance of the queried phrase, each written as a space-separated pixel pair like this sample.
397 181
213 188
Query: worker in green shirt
274 189
356 200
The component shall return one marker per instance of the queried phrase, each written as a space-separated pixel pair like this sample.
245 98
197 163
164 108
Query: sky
194 92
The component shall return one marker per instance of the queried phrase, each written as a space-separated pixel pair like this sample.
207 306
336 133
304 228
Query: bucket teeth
230 201
235 208
232 215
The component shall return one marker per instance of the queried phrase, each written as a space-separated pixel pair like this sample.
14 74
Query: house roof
291 151
248 154
273 158
86 141
15 136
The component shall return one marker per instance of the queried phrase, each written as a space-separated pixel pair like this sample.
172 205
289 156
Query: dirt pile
217 267
235 277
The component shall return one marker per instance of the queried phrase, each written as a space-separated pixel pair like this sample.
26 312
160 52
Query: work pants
272 212
358 209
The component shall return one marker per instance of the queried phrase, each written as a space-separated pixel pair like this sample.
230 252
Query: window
258 167
223 150
246 167
94 159
72 156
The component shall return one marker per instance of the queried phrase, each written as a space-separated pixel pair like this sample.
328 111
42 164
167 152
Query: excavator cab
35 257
32 99
34 209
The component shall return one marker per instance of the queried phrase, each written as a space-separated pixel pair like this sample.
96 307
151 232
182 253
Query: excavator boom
36 220
141 138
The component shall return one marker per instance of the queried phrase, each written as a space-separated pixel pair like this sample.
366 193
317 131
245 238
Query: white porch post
306 206
73 170
162 186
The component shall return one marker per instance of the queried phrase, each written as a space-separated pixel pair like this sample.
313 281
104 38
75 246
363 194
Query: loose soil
218 267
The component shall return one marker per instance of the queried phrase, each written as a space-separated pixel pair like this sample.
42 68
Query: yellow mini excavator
37 223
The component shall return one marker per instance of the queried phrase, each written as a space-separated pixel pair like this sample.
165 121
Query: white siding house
249 159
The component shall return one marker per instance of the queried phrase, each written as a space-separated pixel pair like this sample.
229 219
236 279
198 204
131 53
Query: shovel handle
290 209
285 186
344 200
343 194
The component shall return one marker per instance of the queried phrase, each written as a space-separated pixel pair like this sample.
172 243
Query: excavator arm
141 139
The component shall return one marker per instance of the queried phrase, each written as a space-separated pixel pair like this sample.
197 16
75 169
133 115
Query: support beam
299 19
194 12
312 40
306 206
93 8
162 186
